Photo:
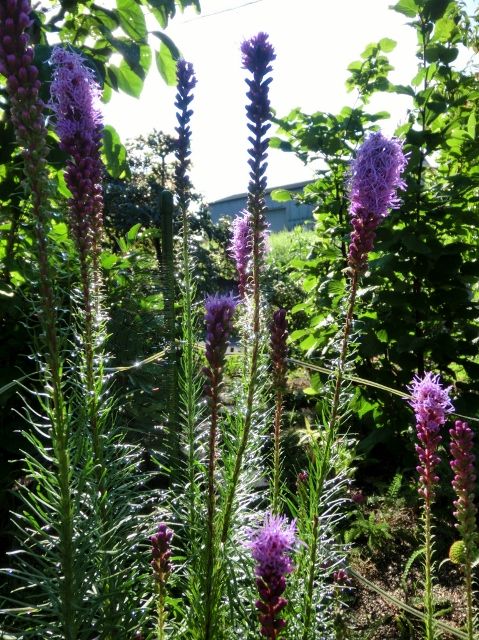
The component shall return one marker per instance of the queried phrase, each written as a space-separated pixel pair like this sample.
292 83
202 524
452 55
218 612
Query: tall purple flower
271 546
258 54
431 405
186 80
75 100
219 322
464 482
375 178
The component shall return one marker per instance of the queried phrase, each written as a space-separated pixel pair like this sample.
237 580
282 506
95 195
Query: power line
215 13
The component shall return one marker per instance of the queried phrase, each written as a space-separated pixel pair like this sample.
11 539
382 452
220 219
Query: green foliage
424 268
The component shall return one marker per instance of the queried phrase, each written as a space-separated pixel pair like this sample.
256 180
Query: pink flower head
270 546
241 247
376 175
431 405
75 100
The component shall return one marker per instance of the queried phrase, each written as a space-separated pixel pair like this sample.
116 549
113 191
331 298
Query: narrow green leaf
471 125
166 64
114 153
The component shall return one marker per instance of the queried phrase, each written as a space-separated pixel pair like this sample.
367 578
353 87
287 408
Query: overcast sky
315 40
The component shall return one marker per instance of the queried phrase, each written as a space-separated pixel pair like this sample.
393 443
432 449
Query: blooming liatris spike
257 55
161 552
241 246
375 178
279 350
464 482
186 82
431 405
271 546
219 323
75 99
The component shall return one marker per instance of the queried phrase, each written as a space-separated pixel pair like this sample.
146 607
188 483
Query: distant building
281 215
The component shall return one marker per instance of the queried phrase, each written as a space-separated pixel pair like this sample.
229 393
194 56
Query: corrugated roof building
281 215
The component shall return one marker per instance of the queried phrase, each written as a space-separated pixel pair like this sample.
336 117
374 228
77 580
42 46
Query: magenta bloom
161 552
375 178
241 247
431 404
271 546
75 98
219 323
464 482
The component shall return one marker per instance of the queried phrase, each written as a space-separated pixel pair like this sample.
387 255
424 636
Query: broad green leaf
281 195
166 64
108 260
132 19
387 44
408 8
128 80
444 29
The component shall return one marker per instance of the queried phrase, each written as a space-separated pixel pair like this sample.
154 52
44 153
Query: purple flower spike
23 85
241 246
375 178
186 82
270 547
257 57
75 99
279 350
219 323
464 483
431 404
161 552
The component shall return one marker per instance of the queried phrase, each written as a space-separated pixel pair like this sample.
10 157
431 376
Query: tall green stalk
28 120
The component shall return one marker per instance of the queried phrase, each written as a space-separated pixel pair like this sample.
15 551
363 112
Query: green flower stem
469 594
253 377
37 181
211 512
161 610
278 414
188 363
330 437
428 599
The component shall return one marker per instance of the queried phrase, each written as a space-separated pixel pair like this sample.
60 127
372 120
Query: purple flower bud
271 546
161 552
258 54
219 323
279 350
464 482
186 82
375 178
431 405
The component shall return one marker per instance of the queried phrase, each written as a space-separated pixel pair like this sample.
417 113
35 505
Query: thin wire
215 13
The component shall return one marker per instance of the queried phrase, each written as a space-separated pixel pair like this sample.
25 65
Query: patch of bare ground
370 616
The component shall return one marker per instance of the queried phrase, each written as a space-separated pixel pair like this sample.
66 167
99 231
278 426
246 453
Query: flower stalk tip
376 175
271 546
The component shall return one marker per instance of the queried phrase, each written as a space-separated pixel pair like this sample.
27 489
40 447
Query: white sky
315 40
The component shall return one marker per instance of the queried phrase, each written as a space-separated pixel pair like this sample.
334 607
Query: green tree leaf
166 64
132 19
